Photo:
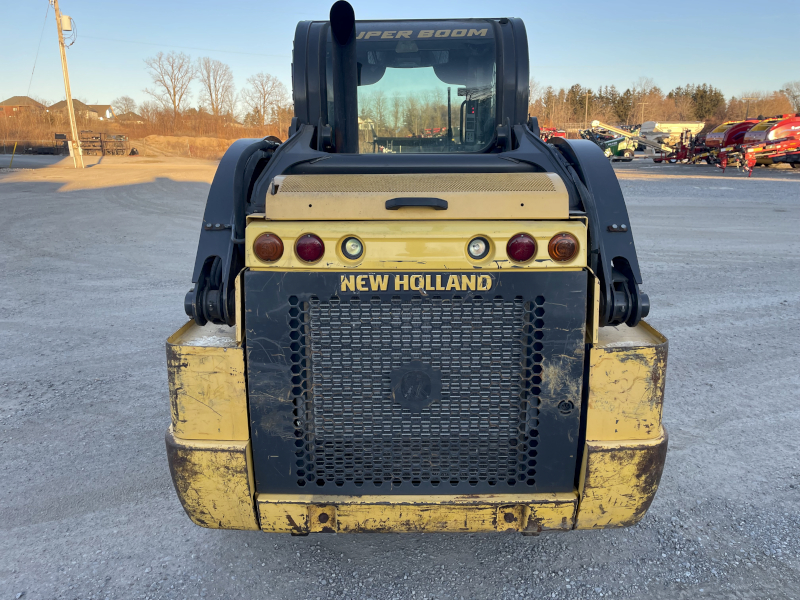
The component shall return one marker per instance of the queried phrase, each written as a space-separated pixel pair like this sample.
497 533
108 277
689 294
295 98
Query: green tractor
616 148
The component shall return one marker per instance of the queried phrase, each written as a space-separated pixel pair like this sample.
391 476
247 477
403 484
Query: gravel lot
94 269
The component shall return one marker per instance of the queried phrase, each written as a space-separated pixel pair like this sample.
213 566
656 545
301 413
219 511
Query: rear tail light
563 247
521 247
268 247
309 248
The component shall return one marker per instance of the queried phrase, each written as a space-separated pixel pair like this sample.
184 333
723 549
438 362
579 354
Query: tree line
262 104
404 115
645 101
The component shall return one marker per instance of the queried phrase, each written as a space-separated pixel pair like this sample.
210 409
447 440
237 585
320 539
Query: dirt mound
193 147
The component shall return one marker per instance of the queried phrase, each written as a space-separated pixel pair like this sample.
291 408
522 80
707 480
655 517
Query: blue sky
579 41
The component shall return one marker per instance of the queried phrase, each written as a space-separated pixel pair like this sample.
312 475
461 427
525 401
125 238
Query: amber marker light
521 247
563 247
268 247
309 248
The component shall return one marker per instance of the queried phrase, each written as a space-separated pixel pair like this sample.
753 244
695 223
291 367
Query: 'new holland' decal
405 283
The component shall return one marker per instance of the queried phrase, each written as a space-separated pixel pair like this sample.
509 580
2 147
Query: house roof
129 116
76 104
102 109
21 101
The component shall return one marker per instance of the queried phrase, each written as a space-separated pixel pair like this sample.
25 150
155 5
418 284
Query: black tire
627 155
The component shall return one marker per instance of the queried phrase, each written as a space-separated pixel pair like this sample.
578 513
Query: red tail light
309 248
563 247
268 247
521 247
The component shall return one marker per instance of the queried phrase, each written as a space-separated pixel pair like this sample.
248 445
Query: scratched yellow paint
208 397
214 481
627 369
415 245
619 480
292 513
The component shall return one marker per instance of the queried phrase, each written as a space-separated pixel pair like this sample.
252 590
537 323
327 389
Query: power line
91 37
35 60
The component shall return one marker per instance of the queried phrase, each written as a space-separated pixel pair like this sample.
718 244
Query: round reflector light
268 247
309 248
521 247
563 247
352 248
478 248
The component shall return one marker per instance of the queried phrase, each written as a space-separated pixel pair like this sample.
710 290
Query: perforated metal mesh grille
481 429
419 183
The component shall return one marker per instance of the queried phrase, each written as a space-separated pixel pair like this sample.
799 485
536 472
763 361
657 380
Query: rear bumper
215 485
622 460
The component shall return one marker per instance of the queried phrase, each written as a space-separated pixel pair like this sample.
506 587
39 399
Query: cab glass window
424 86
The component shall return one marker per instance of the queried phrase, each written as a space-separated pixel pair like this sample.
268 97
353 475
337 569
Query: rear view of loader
436 327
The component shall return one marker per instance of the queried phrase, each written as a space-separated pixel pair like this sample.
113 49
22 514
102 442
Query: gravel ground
95 266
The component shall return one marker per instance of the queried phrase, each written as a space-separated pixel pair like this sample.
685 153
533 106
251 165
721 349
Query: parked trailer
622 146
103 144
669 133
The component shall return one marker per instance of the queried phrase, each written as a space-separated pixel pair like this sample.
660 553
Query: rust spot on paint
648 462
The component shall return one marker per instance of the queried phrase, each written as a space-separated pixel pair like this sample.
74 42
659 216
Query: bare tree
380 106
396 111
123 104
535 91
149 111
644 85
792 91
172 74
264 97
216 78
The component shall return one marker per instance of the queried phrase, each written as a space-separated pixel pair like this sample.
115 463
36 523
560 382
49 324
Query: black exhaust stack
345 77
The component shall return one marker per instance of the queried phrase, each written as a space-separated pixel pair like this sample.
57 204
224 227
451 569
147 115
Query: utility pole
747 109
642 120
77 153
586 112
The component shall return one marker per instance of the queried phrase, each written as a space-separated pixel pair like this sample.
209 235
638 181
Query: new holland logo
405 283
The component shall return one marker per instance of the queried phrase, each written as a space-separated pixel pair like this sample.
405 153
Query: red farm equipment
772 140
729 133
548 133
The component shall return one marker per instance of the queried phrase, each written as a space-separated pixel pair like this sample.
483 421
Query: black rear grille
396 391
481 429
